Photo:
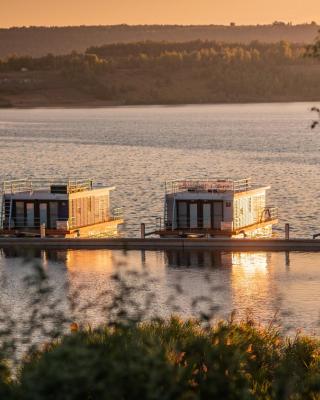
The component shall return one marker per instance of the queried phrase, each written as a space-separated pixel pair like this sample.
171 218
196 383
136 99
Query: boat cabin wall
219 212
32 213
183 213
248 210
89 210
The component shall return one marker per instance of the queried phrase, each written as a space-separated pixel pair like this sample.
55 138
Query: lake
137 149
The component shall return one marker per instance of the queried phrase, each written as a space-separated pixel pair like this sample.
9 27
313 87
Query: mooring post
43 231
287 231
143 230
287 259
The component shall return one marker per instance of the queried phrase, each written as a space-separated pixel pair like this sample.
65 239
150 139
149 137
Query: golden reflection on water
89 261
262 282
106 262
251 281
251 263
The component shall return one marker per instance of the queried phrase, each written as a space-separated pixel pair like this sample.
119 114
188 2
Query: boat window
19 214
30 215
182 214
53 214
193 215
217 214
43 213
207 215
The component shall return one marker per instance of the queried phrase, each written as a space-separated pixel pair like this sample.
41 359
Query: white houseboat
67 208
216 208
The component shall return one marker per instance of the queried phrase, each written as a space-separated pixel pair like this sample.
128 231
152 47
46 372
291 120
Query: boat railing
117 213
269 214
187 224
63 224
16 186
61 186
214 185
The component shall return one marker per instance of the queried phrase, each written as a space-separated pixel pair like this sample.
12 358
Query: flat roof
212 186
46 194
39 187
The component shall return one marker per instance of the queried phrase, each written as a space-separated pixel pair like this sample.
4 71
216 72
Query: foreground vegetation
45 355
170 360
163 73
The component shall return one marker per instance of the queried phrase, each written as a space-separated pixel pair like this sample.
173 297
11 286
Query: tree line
171 73
144 54
38 41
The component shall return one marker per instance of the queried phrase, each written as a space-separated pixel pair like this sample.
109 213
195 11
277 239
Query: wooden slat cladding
89 210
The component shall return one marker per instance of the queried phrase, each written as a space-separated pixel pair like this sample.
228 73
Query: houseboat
66 208
216 208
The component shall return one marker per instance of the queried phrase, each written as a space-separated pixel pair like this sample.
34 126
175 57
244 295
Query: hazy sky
84 12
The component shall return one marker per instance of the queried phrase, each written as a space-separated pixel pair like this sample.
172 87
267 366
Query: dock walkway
163 244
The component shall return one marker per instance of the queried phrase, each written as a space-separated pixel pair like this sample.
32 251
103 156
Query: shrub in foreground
173 360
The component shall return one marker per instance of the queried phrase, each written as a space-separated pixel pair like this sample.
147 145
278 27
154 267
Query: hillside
39 41
162 73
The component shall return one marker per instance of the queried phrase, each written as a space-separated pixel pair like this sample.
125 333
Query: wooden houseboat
68 208
216 208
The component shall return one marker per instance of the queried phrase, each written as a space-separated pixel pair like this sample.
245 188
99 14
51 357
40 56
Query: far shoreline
99 105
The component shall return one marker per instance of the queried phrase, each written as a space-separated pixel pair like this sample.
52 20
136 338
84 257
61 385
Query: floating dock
163 244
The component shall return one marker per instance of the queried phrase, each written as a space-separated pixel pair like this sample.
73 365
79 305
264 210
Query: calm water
265 285
137 149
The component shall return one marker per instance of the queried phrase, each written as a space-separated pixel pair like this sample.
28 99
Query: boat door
217 214
206 215
30 215
182 214
43 214
193 215
53 214
19 221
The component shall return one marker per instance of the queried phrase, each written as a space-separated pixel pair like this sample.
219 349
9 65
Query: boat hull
104 229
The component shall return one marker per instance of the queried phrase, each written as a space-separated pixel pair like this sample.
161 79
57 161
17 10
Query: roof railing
208 185
30 185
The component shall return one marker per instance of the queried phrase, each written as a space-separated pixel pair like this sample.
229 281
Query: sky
185 12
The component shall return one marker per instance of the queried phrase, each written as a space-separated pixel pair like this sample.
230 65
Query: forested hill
38 41
162 73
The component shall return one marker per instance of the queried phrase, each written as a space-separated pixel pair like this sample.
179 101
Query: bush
6 386
173 360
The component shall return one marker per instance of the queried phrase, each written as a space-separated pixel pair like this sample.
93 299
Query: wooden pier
162 244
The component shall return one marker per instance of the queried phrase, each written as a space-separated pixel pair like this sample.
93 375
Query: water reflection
256 281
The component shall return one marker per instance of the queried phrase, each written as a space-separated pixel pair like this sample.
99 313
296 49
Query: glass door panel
43 214
207 216
182 214
19 222
30 215
53 214
217 214
194 215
